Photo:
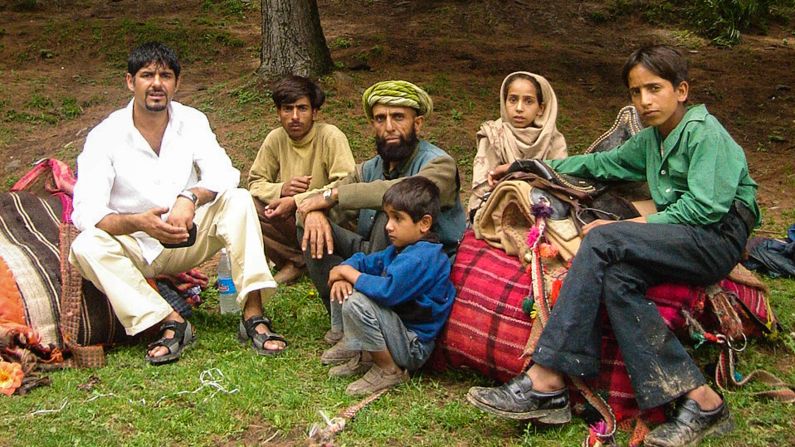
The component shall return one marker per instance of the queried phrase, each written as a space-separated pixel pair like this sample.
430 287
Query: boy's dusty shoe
332 337
690 425
337 355
289 274
376 380
353 367
517 399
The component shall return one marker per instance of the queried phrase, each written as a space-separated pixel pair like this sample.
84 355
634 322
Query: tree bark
292 40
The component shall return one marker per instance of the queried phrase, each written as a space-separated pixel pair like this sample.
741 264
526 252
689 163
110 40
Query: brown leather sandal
183 336
247 331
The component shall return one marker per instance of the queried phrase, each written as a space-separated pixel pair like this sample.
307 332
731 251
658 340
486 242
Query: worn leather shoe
337 355
332 337
517 400
376 379
289 274
356 366
690 425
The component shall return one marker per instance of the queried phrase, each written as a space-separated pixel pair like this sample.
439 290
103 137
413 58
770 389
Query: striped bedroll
29 247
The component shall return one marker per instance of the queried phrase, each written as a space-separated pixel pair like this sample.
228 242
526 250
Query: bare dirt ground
66 51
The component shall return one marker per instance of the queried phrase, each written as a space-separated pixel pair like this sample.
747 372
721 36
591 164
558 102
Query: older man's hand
317 202
317 235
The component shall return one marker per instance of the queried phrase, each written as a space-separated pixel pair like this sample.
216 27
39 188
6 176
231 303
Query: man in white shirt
157 194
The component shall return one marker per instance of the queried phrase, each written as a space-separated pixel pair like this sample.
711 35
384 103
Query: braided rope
725 372
562 179
605 432
320 435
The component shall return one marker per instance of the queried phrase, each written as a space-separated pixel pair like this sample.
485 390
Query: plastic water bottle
227 294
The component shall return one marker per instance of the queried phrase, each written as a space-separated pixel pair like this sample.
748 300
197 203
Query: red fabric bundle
487 329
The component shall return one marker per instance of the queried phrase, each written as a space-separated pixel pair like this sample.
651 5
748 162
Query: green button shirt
694 174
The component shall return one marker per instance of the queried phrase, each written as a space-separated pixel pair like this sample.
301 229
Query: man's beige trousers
116 266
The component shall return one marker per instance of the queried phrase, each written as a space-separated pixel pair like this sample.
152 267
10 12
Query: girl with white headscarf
526 129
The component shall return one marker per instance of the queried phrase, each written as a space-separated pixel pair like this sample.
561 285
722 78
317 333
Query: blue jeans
614 266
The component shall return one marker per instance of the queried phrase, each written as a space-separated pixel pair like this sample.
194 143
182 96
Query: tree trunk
292 40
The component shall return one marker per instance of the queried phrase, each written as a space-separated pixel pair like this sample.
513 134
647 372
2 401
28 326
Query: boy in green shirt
706 208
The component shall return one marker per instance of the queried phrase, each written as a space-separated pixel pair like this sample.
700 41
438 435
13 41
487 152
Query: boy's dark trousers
615 265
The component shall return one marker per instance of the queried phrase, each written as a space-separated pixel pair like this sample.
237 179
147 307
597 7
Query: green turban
396 93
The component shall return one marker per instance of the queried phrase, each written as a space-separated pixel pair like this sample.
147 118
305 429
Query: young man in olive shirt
296 160
706 207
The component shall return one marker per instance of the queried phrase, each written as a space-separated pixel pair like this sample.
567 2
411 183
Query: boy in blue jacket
394 302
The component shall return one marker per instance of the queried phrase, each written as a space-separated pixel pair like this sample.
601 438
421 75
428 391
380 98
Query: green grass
229 8
341 42
43 110
200 40
137 404
278 398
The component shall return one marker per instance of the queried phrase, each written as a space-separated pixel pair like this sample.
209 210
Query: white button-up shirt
119 173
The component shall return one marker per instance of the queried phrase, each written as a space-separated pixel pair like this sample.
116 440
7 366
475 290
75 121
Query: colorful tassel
597 435
527 305
532 236
547 251
541 209
534 312
698 338
553 294
737 376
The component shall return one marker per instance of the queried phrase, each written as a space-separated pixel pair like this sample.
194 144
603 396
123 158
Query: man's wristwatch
188 194
328 197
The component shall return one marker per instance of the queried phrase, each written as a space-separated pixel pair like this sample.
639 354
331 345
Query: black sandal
247 331
183 336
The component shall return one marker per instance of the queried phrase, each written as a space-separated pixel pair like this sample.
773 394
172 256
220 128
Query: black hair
662 60
536 84
150 52
292 88
416 196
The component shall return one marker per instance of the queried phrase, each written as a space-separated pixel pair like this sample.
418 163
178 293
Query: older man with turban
397 111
